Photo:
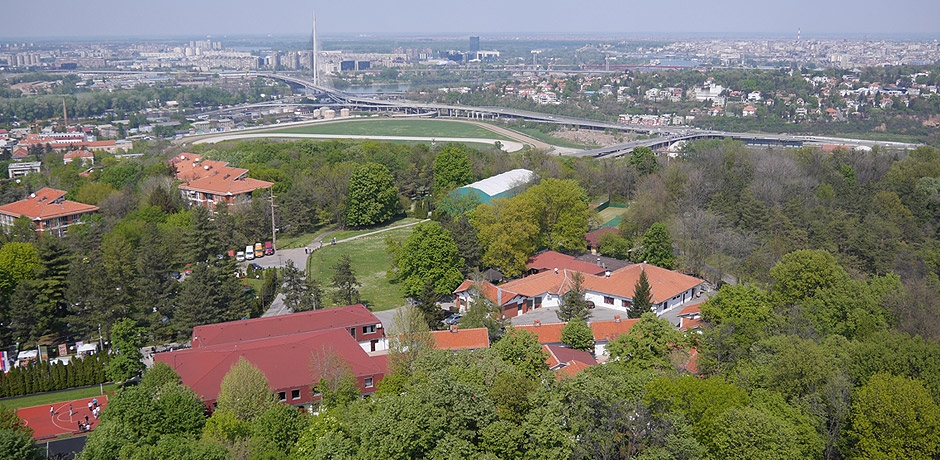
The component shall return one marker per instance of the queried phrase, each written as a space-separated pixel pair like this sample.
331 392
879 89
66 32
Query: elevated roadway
666 136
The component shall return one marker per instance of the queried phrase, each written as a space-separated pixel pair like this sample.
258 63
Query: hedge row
42 377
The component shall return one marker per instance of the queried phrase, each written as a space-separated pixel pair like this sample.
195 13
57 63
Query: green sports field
393 127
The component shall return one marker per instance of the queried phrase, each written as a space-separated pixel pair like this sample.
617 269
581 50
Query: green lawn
56 397
610 214
370 262
393 127
343 234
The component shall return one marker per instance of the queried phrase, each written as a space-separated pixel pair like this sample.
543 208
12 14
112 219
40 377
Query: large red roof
609 330
564 355
47 203
214 177
286 361
276 326
664 284
546 333
550 260
462 339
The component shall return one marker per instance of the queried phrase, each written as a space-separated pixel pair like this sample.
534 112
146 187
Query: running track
46 427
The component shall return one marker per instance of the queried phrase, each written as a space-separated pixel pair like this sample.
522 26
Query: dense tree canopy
428 256
373 196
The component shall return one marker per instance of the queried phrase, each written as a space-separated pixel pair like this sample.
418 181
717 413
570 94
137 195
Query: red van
268 248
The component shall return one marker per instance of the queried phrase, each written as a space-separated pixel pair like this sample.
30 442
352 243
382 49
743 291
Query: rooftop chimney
616 318
453 328
556 271
607 274
538 323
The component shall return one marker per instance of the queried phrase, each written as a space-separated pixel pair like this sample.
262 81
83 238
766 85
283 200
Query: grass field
387 127
610 214
370 262
55 397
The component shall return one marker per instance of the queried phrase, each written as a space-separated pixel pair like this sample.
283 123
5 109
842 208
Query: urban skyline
174 18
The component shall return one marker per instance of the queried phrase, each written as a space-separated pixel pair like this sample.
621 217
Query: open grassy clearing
370 262
393 127
57 396
610 214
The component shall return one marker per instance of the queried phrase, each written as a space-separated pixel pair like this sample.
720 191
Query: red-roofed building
358 322
461 339
551 260
567 362
611 289
48 210
86 157
548 334
605 331
690 317
594 238
208 183
288 362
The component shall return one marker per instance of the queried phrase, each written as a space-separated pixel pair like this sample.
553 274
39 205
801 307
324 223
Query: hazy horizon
116 19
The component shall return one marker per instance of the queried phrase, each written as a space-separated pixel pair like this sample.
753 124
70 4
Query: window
368 329
608 300
352 331
368 382
282 396
295 394
627 303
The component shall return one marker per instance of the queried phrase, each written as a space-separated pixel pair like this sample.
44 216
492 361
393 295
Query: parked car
452 319
249 252
240 256
268 248
259 251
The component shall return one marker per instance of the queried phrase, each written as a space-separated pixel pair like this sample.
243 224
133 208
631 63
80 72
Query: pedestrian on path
52 411
70 411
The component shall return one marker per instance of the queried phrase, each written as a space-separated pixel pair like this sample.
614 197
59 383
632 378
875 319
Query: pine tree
642 297
344 282
573 305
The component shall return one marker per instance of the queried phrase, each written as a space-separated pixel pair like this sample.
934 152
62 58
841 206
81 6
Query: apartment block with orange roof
48 210
209 183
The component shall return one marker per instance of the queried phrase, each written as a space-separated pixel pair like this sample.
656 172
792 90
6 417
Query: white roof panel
500 183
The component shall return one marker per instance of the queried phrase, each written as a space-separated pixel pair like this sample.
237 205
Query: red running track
46 426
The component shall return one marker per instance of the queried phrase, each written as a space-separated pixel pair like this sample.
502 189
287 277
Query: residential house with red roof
548 334
292 364
461 339
567 362
359 323
605 331
208 183
610 289
48 210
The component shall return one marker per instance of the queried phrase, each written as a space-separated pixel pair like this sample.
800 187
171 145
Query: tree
560 208
573 306
126 357
18 261
642 297
657 247
508 233
894 417
201 242
211 294
334 379
372 198
409 337
648 345
465 237
452 169
244 392
18 445
644 160
294 288
345 285
428 256
578 335
521 348
800 274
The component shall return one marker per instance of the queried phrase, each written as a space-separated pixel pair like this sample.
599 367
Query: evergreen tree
345 285
573 306
52 276
642 297
293 287
201 242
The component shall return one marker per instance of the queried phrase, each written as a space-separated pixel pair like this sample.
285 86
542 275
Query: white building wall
382 345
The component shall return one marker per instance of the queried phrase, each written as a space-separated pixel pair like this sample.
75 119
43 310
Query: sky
52 19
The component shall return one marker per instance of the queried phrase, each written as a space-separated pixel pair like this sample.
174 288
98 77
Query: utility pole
273 228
